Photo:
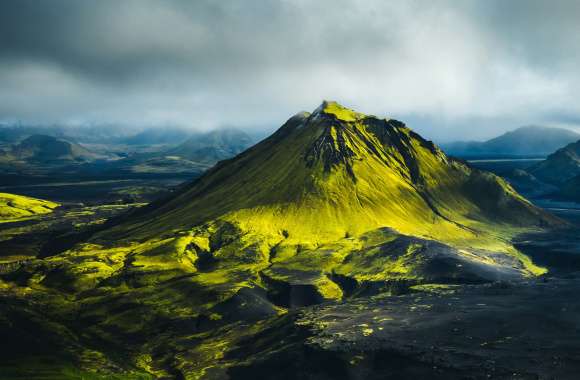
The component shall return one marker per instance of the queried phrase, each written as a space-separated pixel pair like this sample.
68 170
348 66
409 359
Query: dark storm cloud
449 66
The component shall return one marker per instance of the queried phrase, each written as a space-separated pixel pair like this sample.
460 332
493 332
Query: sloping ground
17 206
334 205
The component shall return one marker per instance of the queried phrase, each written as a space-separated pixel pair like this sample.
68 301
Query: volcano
333 206
332 196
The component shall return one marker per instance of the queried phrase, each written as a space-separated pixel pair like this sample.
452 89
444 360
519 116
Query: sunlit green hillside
335 204
17 206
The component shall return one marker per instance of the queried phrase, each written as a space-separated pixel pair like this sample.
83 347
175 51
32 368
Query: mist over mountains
442 67
523 141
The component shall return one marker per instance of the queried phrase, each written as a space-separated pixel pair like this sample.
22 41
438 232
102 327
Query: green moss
338 194
14 207
435 288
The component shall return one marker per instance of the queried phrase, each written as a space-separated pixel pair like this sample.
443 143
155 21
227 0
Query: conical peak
333 109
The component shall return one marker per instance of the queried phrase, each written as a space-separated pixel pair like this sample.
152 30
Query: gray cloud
452 69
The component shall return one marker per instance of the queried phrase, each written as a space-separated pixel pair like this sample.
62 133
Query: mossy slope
18 206
334 204
337 173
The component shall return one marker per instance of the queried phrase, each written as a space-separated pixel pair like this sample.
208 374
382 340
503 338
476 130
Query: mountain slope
559 166
17 206
354 172
524 141
334 205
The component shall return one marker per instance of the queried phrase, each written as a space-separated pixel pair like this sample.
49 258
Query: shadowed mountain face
560 166
524 141
561 169
334 205
571 189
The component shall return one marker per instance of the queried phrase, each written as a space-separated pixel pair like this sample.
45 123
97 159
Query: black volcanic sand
527 330
503 330
559 251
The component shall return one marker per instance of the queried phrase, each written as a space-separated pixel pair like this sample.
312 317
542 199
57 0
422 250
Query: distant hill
195 155
524 141
560 166
49 149
214 146
158 136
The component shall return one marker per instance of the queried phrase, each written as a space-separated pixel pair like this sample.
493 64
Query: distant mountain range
196 154
524 141
163 152
41 153
112 137
556 177
213 146
158 136
561 169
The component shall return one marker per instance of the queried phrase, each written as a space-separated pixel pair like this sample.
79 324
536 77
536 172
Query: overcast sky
450 69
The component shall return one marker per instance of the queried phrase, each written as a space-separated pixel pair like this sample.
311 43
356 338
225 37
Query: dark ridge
323 150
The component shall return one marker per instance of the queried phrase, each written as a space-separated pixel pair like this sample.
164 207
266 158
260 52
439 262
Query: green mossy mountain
337 173
335 204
